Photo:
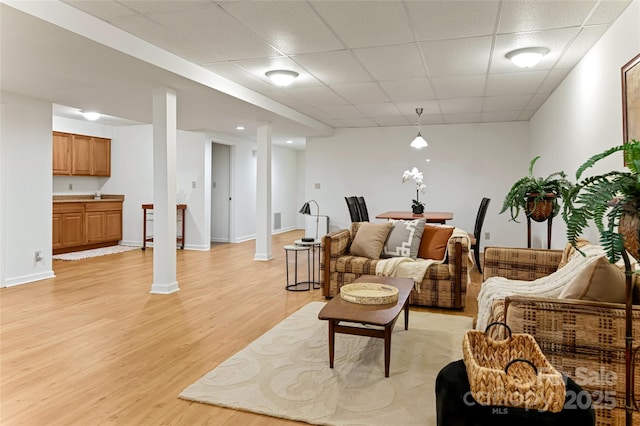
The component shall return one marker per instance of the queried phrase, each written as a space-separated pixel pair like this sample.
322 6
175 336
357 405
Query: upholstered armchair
444 284
583 339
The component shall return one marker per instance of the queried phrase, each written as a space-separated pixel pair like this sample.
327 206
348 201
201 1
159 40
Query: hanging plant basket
540 210
629 227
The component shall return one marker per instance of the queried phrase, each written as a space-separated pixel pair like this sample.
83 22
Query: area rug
285 372
84 254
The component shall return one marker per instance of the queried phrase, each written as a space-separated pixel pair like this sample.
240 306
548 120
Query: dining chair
352 204
362 209
477 231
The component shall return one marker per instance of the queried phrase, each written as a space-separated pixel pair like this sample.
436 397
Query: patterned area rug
84 254
285 372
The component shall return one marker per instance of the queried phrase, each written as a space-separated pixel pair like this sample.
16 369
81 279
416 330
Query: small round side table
315 247
298 285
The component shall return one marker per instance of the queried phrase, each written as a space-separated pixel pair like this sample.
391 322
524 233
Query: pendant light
419 141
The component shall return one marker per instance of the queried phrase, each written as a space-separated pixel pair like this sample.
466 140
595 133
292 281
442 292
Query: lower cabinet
78 226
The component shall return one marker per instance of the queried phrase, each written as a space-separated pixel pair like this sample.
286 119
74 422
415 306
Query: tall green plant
604 198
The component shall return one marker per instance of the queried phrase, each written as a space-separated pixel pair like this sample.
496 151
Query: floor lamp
306 210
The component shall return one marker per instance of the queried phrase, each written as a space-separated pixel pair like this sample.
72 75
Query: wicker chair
584 340
444 285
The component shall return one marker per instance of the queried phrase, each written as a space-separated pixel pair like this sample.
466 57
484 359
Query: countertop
79 198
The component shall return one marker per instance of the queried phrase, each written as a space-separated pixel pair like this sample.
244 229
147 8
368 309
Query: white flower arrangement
417 176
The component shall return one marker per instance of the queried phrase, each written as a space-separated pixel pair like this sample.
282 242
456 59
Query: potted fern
536 196
612 201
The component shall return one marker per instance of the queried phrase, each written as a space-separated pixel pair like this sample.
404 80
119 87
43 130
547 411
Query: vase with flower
414 174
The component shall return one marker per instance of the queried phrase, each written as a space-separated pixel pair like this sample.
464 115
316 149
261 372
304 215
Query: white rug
285 372
84 254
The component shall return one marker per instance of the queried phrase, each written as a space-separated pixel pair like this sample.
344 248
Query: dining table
430 217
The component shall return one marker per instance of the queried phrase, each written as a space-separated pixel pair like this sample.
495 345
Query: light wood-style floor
92 346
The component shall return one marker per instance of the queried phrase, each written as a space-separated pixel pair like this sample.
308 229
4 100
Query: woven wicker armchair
584 340
444 285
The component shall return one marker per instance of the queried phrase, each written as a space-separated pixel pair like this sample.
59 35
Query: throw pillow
404 238
599 281
369 239
569 251
434 242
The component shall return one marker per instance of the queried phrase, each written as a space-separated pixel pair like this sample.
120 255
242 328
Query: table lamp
306 210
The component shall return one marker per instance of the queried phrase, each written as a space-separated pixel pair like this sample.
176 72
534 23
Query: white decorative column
263 193
164 191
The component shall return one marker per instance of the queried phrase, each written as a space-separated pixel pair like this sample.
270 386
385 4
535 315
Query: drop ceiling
360 63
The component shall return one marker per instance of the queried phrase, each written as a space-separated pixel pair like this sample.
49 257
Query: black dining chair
362 209
352 204
477 231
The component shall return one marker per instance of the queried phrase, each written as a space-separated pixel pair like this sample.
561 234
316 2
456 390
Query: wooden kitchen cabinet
84 225
80 155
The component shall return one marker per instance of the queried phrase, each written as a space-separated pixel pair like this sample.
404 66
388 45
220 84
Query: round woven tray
369 293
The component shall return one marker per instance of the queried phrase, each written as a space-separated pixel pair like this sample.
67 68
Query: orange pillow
433 244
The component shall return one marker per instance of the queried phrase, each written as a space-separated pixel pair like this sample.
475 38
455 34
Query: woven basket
512 372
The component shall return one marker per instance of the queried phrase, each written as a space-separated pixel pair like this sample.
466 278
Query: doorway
221 193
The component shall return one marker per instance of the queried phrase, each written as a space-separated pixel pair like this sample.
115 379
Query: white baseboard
164 288
25 279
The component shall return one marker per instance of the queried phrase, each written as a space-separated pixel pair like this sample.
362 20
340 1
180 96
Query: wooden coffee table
338 310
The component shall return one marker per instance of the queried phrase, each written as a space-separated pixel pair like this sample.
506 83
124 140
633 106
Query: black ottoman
456 407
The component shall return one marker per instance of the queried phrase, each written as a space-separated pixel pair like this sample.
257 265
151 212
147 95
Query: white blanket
406 267
549 286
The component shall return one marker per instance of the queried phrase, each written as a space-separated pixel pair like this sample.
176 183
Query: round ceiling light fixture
91 115
282 78
527 57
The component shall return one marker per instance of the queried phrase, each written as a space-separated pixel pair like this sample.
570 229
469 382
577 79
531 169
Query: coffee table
338 311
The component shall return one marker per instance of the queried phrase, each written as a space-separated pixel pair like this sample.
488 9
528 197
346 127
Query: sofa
583 339
444 284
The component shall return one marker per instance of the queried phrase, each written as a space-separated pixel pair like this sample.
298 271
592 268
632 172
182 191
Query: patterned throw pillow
404 238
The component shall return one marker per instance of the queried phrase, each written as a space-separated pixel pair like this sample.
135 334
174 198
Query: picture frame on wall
631 100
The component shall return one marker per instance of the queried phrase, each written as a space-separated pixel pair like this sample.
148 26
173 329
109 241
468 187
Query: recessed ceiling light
282 77
91 115
527 57
239 127
289 141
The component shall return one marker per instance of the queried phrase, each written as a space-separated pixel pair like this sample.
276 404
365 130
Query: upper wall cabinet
79 155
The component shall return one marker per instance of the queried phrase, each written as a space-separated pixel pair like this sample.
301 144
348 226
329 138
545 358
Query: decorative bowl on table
369 293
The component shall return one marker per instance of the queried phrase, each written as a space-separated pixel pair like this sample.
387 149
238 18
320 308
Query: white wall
300 188
583 116
25 198
284 183
221 177
468 162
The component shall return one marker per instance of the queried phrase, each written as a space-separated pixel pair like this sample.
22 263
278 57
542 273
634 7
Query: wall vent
277 220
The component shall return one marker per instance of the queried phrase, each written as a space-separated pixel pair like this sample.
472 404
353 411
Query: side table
294 286
315 250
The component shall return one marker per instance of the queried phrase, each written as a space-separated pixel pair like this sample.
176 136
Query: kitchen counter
86 198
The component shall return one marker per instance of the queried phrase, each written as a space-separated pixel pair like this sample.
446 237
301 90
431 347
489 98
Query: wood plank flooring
92 346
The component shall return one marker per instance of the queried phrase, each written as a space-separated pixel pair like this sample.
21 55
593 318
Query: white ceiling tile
212 27
392 121
430 119
505 103
500 116
293 27
462 118
436 20
460 105
552 81
337 67
522 83
526 115
259 66
392 62
336 124
408 90
102 9
536 101
359 122
238 75
536 15
366 23
581 45
146 6
361 93
608 11
341 112
409 108
379 110
316 96
465 56
554 40
458 87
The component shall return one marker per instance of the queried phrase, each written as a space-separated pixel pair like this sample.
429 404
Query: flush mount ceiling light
419 141
281 77
91 115
240 127
527 57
